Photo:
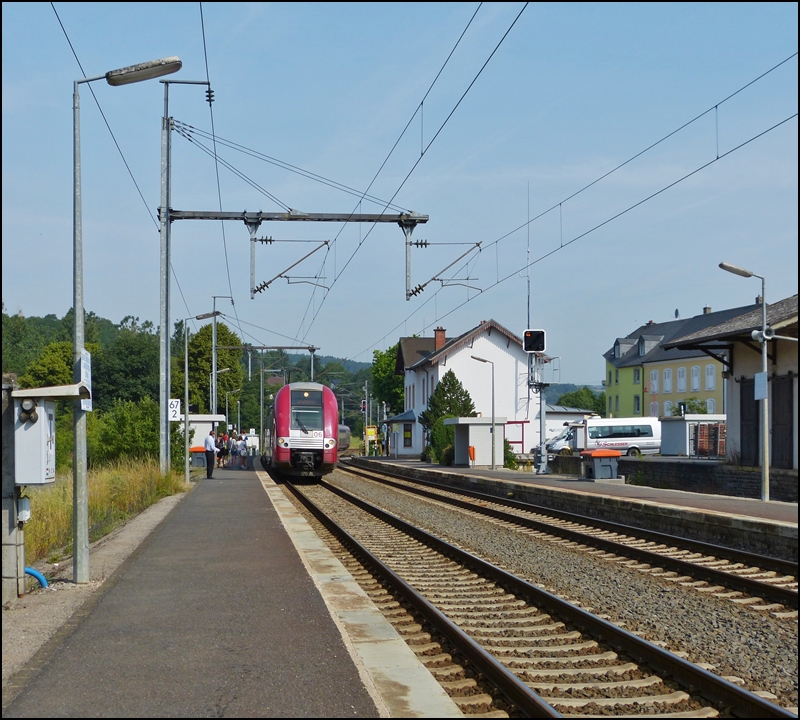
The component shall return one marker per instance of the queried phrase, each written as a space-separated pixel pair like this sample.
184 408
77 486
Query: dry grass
116 492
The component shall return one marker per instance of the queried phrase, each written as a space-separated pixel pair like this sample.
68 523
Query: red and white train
302 431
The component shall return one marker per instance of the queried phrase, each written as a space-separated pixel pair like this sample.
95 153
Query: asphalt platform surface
213 615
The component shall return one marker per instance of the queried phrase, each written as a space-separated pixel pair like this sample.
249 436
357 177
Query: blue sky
572 91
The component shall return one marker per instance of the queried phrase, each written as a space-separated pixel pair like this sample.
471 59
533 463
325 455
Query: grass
117 492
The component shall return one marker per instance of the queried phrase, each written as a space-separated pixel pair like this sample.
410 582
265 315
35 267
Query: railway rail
743 578
545 657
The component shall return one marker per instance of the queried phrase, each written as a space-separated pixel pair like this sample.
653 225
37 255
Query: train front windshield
306 410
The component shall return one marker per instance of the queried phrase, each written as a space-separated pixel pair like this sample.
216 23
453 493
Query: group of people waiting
232 450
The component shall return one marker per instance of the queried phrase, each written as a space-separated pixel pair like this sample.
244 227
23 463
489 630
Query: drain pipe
35 573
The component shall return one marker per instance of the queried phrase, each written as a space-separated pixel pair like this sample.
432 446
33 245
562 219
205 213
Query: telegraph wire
474 80
546 255
188 132
216 165
119 149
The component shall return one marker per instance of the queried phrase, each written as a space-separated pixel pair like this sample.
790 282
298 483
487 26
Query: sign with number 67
174 410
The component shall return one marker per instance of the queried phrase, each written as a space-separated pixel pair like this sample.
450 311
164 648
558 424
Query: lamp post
229 392
186 392
123 76
764 390
165 235
211 396
494 439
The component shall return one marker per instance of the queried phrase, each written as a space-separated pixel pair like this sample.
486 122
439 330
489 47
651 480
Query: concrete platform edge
397 681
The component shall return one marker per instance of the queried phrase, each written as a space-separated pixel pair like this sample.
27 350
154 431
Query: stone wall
703 476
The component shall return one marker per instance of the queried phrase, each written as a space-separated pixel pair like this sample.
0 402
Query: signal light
364 406
533 341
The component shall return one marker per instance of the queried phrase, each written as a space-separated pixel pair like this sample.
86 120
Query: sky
502 122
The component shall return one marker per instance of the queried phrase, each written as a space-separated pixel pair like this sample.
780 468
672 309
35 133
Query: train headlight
283 442
329 443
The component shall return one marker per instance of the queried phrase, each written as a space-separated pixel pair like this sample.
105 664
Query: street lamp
229 392
123 76
761 390
211 378
494 439
186 392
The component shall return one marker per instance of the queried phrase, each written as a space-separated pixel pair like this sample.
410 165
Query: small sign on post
174 410
86 378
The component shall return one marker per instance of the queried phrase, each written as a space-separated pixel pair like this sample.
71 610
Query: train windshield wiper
300 423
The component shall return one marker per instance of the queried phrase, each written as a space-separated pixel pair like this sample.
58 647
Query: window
616 377
637 405
711 406
667 382
407 435
653 409
653 383
609 377
306 410
616 350
620 431
616 403
711 377
695 378
668 408
681 379
637 377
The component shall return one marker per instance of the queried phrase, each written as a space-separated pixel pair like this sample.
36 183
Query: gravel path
737 642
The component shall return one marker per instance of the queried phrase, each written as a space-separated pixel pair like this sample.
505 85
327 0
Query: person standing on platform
242 448
210 446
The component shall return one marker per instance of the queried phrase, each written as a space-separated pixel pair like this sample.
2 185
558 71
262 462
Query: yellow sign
372 432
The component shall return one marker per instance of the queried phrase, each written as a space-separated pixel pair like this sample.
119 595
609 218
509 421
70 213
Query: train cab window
306 410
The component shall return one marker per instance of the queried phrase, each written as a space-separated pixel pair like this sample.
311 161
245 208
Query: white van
631 436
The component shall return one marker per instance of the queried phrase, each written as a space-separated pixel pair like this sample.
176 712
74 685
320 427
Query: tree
128 369
449 399
200 366
386 385
694 406
585 399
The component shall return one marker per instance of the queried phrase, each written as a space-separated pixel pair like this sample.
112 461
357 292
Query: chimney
706 310
440 339
759 299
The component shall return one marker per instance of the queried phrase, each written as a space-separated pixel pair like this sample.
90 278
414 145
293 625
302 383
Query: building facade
645 378
424 361
743 360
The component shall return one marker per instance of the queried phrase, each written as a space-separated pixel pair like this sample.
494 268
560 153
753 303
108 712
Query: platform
231 607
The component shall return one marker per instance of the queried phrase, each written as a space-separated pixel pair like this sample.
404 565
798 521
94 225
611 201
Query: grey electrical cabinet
35 441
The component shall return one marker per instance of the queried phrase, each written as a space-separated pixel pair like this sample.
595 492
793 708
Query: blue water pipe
41 578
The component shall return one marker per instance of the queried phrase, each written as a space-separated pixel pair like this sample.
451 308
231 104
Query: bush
441 436
509 456
426 454
447 456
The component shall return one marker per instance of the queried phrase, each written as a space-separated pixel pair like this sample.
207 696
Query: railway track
754 581
543 656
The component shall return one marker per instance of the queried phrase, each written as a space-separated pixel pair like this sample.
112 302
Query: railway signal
533 341
364 407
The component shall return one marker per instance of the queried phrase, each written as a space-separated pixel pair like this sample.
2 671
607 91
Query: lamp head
736 270
143 71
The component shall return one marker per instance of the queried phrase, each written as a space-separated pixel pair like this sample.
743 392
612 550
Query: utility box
600 464
35 441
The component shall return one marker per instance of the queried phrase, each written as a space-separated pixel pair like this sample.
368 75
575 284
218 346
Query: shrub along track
517 637
754 581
